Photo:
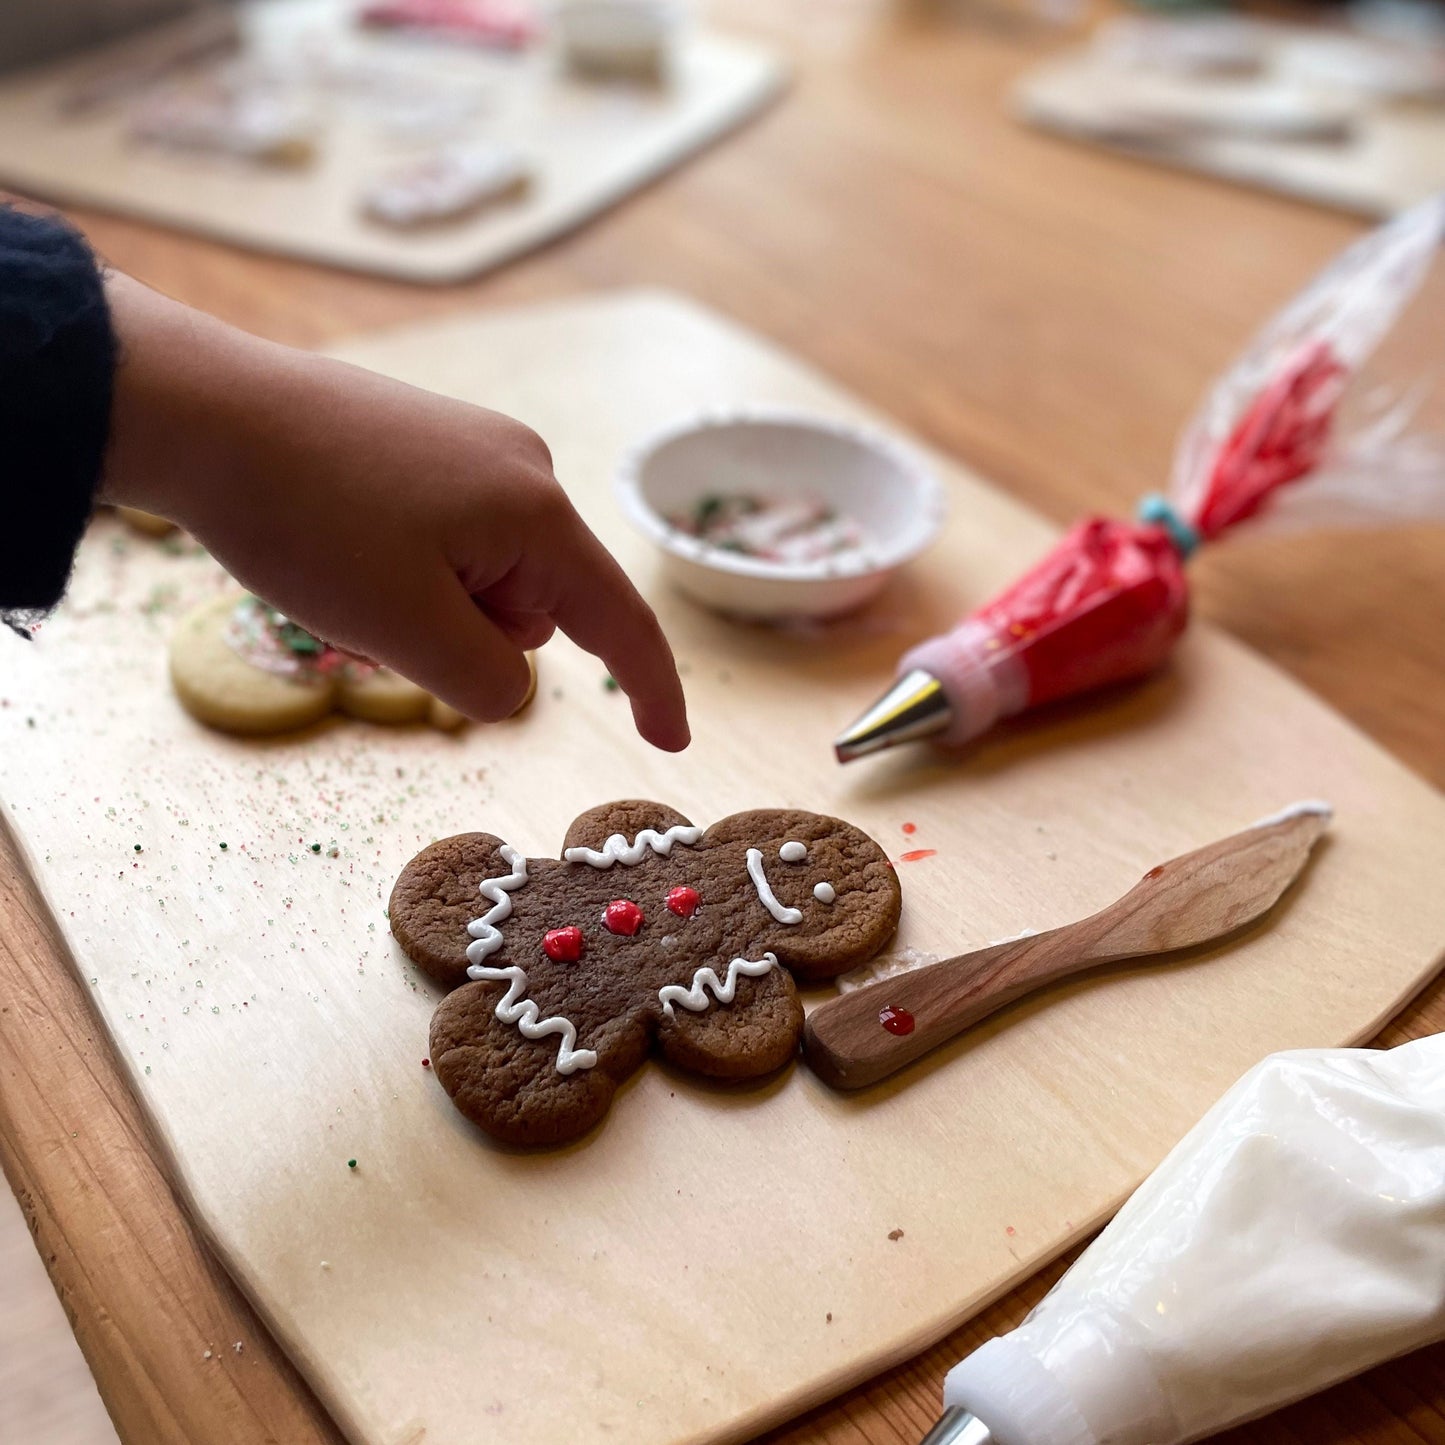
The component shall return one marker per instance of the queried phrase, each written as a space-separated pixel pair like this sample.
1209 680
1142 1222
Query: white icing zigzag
514 1009
618 850
495 890
695 999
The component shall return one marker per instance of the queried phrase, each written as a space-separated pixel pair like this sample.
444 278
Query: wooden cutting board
1393 157
590 144
708 1261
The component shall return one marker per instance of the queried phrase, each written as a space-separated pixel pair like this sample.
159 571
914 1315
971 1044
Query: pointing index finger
600 610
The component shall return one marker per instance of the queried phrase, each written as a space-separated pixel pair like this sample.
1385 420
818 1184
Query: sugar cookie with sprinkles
241 667
648 934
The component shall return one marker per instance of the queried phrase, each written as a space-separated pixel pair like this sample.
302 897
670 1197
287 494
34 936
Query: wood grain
1047 313
1200 898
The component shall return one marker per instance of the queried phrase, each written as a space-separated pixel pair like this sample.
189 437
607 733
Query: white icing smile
766 896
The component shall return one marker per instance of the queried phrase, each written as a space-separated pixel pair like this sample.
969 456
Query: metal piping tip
957 1427
916 706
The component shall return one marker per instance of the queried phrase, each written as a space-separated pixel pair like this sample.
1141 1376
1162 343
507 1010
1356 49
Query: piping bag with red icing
1316 424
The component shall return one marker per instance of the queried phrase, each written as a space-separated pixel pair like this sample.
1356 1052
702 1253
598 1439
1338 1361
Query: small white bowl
782 454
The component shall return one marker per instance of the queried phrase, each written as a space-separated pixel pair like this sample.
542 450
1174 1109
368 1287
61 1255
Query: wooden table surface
1047 313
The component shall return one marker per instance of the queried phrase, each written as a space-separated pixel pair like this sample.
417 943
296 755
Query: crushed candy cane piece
798 529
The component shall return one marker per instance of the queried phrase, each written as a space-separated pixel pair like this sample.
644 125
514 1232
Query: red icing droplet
563 945
896 1020
683 901
910 828
622 916
916 854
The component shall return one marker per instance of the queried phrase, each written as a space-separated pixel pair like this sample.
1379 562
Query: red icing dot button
563 945
622 916
896 1020
683 901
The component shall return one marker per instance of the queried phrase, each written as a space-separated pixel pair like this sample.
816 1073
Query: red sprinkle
683 901
426 1063
622 916
896 1020
910 828
916 855
1155 871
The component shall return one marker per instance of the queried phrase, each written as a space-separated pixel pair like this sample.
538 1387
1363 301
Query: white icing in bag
1294 1238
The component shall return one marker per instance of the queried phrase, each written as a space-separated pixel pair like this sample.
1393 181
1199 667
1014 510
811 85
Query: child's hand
426 534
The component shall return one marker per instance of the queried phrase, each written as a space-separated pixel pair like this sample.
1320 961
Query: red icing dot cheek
684 901
896 1020
563 945
622 916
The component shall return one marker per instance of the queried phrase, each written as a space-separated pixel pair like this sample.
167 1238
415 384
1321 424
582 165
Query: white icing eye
793 852
824 892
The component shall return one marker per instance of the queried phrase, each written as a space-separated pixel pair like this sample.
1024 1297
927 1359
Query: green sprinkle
610 683
224 846
316 847
707 510
137 847
351 1163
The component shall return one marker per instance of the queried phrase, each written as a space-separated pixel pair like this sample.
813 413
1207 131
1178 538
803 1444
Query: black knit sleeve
57 364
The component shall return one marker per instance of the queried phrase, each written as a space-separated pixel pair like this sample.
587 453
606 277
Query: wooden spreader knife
861 1037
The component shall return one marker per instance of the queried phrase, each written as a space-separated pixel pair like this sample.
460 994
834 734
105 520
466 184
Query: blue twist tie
1160 511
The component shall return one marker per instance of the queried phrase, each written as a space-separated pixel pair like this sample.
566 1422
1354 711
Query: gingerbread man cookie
646 933
238 665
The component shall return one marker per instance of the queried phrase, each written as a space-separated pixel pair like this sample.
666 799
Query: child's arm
424 533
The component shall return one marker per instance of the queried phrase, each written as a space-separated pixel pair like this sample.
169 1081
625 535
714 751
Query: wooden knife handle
863 1036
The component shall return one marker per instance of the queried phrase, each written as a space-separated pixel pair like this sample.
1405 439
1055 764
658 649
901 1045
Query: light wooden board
1394 156
707 1262
591 145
